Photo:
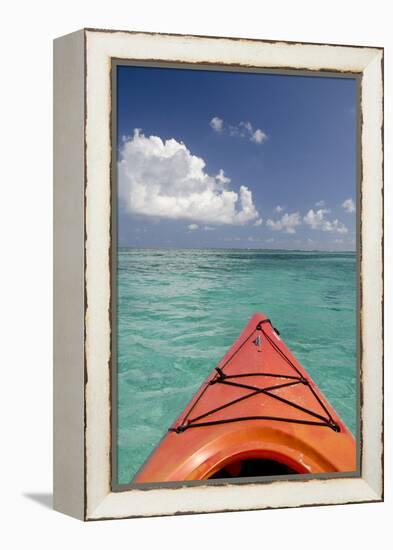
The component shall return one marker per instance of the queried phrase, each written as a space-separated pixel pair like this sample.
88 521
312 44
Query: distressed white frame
96 500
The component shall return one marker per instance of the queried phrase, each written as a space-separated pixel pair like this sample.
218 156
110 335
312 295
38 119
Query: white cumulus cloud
221 177
192 226
317 220
349 205
243 130
279 209
258 222
287 223
164 179
217 123
320 203
258 136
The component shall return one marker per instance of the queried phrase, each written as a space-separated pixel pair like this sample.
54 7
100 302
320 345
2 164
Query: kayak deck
251 376
258 411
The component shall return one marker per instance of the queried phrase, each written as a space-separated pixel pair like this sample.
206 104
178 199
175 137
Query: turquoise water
179 310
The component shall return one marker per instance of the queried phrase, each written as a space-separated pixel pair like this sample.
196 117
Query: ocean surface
180 309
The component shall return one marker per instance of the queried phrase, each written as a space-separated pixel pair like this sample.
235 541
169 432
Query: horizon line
234 248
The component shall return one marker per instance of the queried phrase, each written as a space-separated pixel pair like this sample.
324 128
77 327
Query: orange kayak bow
258 413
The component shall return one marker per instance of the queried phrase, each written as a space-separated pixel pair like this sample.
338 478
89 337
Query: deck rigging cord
222 378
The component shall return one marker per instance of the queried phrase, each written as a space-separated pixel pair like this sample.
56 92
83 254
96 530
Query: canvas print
235 273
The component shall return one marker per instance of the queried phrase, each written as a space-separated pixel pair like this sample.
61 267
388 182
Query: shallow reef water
180 309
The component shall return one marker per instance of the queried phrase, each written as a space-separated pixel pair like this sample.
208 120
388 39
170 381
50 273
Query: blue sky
235 160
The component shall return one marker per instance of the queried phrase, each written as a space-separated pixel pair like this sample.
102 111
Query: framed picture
218 274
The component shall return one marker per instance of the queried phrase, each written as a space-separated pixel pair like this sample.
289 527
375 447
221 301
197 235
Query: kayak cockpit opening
253 467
